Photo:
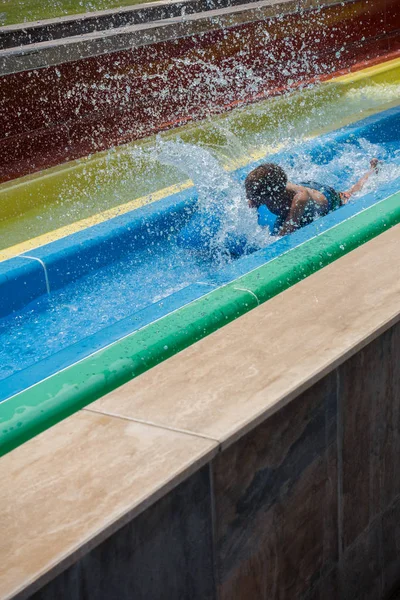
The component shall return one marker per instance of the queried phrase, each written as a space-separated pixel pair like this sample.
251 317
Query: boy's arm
357 187
296 213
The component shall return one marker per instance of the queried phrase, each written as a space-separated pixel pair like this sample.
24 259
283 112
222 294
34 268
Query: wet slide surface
156 267
48 205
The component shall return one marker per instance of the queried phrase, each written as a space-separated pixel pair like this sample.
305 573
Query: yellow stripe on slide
381 68
121 209
57 234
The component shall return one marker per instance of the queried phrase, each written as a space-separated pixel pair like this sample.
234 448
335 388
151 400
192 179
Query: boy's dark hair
265 184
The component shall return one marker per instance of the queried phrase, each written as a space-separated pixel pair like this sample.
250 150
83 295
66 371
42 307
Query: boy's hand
345 197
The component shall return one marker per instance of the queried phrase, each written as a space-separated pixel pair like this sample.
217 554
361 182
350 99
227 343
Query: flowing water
142 278
218 192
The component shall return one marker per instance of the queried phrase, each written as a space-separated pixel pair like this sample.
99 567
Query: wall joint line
46 277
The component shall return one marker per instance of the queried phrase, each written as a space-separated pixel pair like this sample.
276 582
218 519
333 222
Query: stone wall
305 506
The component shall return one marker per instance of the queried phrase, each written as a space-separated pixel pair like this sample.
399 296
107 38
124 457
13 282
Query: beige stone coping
228 382
70 487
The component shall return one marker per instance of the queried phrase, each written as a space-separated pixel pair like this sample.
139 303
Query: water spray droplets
218 193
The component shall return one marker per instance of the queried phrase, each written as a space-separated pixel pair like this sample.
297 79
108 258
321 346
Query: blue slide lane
67 260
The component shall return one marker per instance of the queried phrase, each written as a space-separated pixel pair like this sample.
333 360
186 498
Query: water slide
89 305
195 403
127 133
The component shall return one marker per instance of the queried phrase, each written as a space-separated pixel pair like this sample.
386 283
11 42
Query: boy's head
267 185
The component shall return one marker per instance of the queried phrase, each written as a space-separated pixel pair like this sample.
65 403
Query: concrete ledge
301 397
124 466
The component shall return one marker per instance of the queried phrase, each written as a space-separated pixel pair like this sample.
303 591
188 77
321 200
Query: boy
296 205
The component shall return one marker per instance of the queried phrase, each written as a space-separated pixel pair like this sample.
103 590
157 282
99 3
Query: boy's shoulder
300 192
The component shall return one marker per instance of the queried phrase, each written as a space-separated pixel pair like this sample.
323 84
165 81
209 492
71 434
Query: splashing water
218 193
350 163
116 291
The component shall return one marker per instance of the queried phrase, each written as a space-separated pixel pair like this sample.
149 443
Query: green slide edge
35 409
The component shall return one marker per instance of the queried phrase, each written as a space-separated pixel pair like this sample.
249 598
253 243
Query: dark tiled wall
276 499
308 503
369 388
369 396
165 553
306 506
